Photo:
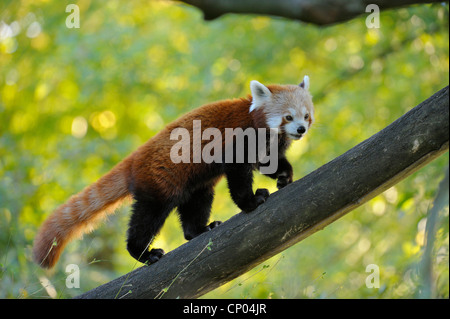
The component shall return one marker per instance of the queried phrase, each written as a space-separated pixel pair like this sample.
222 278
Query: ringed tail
81 213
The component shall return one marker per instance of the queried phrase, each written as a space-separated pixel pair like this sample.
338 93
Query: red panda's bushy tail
80 214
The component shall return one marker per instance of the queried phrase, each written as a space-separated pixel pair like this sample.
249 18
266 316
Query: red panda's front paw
283 181
262 193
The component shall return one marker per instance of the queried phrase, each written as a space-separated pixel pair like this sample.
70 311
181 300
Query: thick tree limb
295 212
320 12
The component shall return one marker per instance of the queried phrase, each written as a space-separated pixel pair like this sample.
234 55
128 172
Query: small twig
134 266
208 246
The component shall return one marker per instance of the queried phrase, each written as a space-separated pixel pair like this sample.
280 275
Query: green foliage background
73 102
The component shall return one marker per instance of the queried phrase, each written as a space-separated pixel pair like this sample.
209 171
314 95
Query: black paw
283 180
188 235
260 197
262 194
214 224
154 255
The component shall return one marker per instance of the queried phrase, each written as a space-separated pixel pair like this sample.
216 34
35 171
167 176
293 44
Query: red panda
157 184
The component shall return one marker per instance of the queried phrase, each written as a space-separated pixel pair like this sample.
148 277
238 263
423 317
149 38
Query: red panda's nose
301 130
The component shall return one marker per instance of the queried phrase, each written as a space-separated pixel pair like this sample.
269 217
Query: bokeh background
74 102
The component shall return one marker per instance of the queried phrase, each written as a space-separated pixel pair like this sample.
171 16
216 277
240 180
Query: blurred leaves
74 102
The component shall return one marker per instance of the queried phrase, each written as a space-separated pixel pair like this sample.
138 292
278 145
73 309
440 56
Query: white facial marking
289 109
299 126
274 122
304 110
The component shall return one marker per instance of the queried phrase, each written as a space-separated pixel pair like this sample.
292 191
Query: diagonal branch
295 212
320 12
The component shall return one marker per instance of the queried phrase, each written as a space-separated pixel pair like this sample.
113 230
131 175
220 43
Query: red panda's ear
260 94
305 83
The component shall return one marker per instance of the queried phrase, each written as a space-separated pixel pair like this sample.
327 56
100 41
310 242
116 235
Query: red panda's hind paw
154 255
259 198
214 224
188 235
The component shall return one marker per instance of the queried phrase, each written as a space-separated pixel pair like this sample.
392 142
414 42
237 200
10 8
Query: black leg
240 182
285 173
194 213
147 218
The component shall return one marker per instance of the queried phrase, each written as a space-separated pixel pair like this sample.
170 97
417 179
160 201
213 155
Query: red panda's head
288 108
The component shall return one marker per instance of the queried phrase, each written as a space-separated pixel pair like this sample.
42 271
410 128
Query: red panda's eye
306 116
289 118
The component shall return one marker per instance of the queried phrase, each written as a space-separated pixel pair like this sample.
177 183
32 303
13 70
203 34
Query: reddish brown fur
150 165
80 213
171 178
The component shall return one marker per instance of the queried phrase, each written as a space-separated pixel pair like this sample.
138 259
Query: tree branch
295 212
320 12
